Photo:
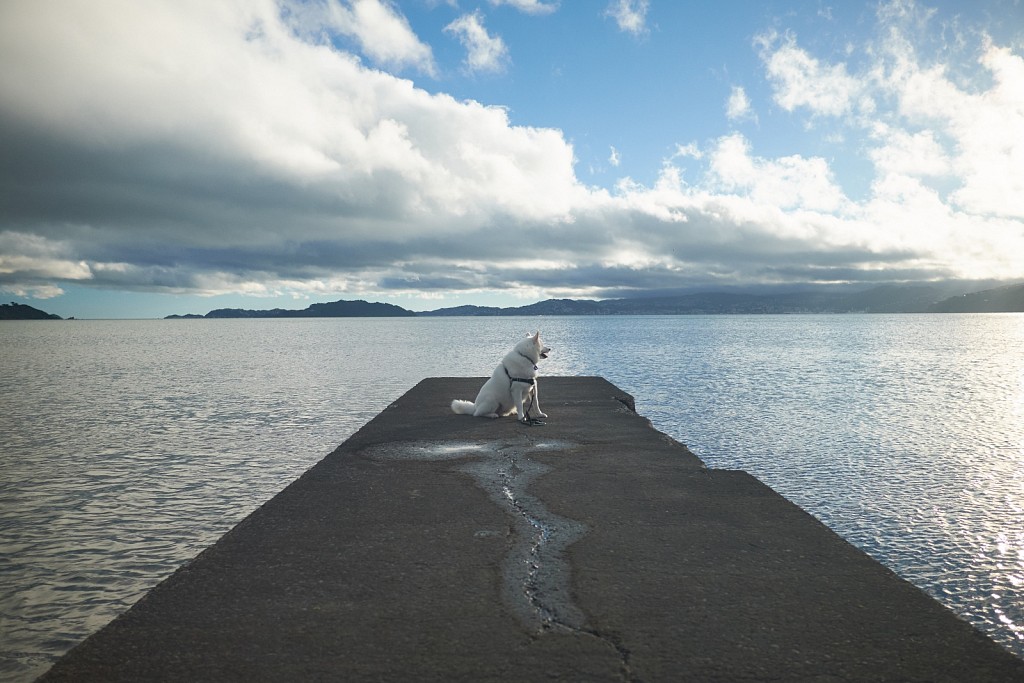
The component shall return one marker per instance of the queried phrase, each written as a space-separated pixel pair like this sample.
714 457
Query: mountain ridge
881 299
333 309
1007 299
930 298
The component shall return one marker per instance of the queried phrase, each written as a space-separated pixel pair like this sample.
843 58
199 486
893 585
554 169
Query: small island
15 311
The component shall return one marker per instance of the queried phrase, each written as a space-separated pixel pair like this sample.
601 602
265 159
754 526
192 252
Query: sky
180 156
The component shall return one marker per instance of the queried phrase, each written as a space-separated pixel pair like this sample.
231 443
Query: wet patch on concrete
535 571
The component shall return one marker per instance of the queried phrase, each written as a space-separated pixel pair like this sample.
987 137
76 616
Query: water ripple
905 434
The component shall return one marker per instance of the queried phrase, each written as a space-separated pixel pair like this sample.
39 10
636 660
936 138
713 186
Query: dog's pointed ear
536 336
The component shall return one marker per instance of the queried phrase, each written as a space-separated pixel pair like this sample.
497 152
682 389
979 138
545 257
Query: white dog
513 383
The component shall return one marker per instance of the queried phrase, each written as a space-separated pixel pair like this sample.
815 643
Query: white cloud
484 51
991 137
383 33
613 157
900 152
985 128
629 15
787 183
528 6
738 105
271 111
945 188
919 120
689 150
29 255
32 291
801 80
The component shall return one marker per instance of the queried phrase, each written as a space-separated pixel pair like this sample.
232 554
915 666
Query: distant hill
335 309
929 298
881 299
465 311
13 311
1008 299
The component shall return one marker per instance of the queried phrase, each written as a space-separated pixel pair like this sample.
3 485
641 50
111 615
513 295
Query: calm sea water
126 447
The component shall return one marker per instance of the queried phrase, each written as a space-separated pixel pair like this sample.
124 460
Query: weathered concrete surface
437 547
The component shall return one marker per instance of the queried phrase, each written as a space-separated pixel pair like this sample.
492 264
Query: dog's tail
463 407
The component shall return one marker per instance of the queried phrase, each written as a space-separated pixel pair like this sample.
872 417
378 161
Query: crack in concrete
535 572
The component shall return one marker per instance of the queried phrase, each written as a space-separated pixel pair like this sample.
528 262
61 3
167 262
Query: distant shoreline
882 299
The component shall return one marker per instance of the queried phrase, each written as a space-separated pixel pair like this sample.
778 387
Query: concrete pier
440 547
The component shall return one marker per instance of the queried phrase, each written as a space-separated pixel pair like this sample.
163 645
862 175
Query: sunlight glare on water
905 434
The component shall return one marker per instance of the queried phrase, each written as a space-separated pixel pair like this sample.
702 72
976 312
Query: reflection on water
126 447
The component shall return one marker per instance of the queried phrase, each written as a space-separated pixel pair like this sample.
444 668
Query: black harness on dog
525 380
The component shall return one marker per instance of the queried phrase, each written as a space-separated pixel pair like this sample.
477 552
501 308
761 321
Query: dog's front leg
517 398
536 399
